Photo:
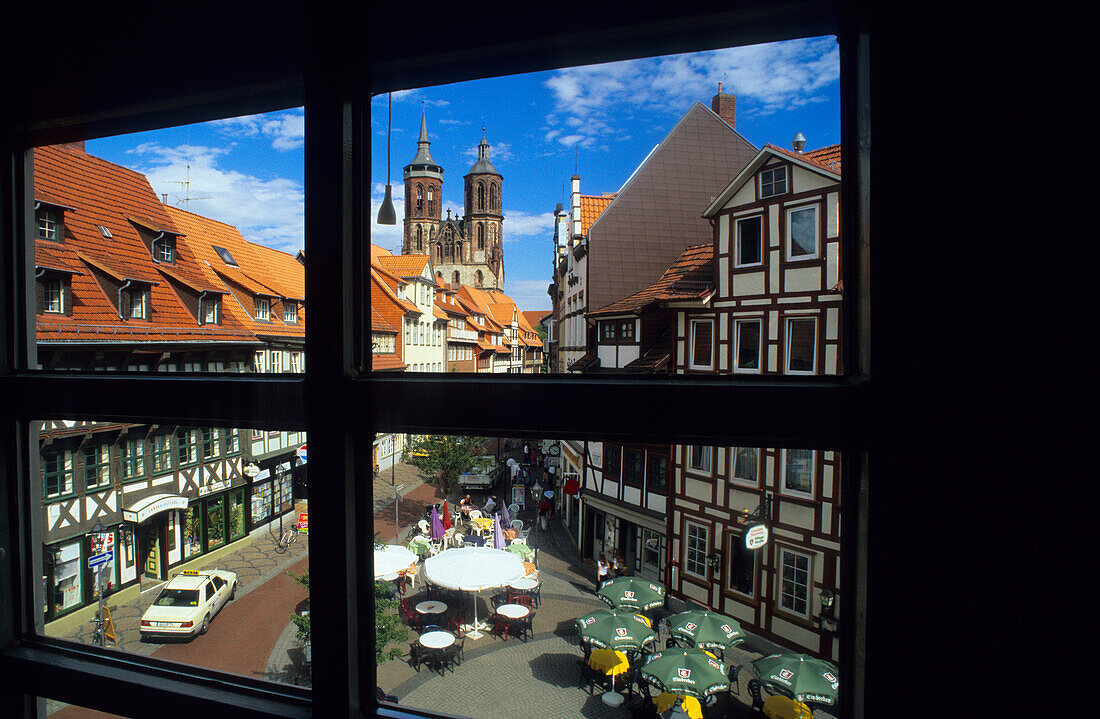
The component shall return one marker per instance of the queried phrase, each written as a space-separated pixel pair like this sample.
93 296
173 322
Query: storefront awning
153 504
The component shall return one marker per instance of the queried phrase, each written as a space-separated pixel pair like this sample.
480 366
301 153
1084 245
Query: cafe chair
501 625
513 508
733 673
424 528
384 697
516 524
460 645
536 594
456 621
475 514
449 657
431 628
416 655
523 628
591 679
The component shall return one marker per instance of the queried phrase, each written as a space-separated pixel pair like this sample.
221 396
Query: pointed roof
483 166
423 162
824 161
592 206
689 277
657 212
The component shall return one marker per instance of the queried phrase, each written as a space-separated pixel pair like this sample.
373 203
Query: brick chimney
724 106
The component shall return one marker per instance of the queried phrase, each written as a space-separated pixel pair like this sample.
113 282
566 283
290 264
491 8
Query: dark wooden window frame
122 684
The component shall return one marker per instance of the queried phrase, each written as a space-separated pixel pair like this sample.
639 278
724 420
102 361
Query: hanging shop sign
756 536
302 453
213 487
154 504
250 470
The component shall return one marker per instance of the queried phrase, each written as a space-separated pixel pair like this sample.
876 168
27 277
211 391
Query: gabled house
424 326
462 339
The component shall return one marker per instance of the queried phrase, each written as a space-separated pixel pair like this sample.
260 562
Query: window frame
781 551
707 453
788 212
687 559
743 481
787 322
694 322
261 309
49 279
787 491
131 459
737 323
164 453
64 473
736 537
95 469
772 169
217 691
737 261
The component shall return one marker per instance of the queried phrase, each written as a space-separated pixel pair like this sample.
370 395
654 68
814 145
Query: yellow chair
781 707
691 705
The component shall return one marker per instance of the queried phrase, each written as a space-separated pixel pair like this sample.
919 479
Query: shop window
261 502
215 523
236 514
192 530
66 581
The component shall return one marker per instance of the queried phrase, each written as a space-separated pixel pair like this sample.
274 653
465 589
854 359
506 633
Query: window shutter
701 353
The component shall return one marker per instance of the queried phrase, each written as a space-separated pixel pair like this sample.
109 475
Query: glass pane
174 250
461 282
196 561
465 605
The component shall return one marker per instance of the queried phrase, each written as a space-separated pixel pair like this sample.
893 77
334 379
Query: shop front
153 525
271 493
68 581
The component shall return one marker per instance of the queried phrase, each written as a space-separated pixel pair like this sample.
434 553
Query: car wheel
205 624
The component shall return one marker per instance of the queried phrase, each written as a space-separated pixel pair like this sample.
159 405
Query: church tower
484 222
423 196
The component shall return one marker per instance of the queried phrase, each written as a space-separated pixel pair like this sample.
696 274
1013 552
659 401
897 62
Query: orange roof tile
534 317
827 158
98 193
386 361
592 206
403 265
689 277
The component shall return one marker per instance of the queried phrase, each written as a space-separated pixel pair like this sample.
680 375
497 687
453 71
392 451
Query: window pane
748 345
748 241
224 507
803 232
184 242
802 345
706 559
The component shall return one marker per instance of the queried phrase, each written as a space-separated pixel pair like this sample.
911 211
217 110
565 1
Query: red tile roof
827 158
592 206
386 361
534 317
691 276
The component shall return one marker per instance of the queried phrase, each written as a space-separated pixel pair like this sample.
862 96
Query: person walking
602 570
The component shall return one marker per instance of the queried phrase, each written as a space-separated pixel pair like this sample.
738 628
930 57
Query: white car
188 602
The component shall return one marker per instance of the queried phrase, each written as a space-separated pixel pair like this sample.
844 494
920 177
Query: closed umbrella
808 678
706 630
436 530
615 630
688 672
504 513
498 534
446 516
632 593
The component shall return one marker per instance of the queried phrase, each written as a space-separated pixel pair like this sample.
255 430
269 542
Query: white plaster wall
794 633
753 283
802 279
832 214
803 180
830 359
744 195
658 503
773 226
696 489
773 270
723 276
628 353
632 495
796 515
606 353
723 233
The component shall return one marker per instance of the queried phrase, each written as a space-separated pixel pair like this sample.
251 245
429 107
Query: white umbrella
471 569
391 559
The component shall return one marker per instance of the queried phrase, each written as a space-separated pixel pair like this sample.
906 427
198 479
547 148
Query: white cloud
387 236
453 122
267 211
287 130
765 78
520 224
528 294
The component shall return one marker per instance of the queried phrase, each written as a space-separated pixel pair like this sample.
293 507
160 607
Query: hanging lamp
386 213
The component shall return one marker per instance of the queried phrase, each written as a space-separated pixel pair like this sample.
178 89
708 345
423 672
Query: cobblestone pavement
400 473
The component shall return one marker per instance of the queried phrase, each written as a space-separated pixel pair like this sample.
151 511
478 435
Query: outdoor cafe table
431 607
524 584
608 661
472 569
482 524
691 705
437 640
513 611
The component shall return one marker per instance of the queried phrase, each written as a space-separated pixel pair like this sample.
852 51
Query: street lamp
828 616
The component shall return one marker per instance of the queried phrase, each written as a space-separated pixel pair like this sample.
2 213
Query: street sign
98 559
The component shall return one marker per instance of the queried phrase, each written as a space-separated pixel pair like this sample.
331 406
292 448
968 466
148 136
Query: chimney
798 144
724 106
78 145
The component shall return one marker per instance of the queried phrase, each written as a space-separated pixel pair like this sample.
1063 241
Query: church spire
423 145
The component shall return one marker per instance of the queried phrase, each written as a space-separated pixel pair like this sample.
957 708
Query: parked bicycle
288 537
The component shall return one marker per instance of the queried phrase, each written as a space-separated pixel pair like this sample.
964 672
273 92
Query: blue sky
602 120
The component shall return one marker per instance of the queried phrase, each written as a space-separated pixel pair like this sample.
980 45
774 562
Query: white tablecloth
472 569
431 607
523 583
513 611
437 640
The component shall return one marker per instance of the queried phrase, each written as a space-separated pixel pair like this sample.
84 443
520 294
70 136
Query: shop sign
152 505
756 536
250 470
98 559
303 522
213 487
302 453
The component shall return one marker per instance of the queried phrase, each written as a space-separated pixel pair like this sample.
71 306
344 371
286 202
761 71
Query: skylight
226 257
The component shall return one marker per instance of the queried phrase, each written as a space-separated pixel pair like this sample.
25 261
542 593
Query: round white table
431 607
437 640
523 584
513 611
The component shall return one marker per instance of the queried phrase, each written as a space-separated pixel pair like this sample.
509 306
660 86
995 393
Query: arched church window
480 196
494 202
479 278
481 235
454 277
431 201
419 238
419 199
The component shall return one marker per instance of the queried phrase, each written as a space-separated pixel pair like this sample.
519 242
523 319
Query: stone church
467 250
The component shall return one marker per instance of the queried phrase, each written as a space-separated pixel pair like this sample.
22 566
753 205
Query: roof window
104 231
226 257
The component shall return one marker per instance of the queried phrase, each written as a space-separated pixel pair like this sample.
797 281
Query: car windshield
178 598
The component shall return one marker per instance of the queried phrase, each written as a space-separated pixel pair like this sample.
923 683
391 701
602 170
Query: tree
443 457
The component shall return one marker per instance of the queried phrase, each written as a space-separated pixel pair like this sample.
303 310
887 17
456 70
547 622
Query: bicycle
288 537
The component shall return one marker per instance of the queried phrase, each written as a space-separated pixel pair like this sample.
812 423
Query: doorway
151 551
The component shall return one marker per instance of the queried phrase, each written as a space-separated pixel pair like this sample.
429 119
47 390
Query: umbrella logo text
829 676
690 627
785 673
727 629
628 594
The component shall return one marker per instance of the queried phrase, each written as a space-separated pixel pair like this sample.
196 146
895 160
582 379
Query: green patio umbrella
685 671
632 593
810 679
706 630
615 630
522 550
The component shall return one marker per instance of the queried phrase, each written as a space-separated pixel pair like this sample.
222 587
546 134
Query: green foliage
443 457
302 622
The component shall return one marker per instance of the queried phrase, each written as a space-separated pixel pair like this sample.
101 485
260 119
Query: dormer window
165 249
773 182
263 308
290 312
49 224
135 303
53 295
212 311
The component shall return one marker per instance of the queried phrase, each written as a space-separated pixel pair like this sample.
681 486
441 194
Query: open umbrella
632 593
446 516
704 630
472 569
391 559
685 671
498 534
810 679
436 526
615 630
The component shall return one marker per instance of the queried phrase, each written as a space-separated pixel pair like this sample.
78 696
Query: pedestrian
465 505
602 570
618 565
490 506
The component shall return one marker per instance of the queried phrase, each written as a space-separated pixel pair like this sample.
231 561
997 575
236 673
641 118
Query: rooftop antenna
186 189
